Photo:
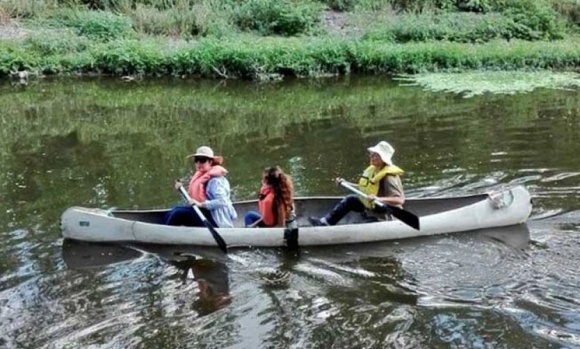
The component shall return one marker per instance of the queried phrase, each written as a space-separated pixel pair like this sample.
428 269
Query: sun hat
385 151
203 151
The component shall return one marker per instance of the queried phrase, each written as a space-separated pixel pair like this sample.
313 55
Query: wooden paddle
404 216
217 237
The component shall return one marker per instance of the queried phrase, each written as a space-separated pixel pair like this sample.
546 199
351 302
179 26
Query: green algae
495 82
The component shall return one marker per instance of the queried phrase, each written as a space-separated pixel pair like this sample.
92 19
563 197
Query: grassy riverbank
273 39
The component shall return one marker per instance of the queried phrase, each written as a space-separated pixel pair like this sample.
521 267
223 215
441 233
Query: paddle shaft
217 237
405 216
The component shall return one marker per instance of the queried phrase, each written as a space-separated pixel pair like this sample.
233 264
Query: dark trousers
186 215
347 204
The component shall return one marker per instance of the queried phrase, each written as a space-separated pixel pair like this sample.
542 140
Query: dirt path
11 31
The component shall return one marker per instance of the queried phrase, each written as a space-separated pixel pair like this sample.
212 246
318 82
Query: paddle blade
405 216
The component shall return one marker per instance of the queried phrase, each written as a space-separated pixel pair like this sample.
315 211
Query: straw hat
203 151
385 151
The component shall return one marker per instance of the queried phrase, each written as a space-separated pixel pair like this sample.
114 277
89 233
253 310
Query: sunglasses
200 160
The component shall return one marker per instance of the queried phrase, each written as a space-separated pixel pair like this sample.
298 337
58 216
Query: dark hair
283 188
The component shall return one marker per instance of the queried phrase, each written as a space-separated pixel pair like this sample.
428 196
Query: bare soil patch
11 30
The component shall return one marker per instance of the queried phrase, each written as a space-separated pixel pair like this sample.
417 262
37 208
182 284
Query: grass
273 39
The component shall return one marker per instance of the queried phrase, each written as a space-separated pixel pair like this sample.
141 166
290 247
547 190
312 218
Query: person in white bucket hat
209 191
381 180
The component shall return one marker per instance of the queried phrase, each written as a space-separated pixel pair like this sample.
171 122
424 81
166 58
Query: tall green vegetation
278 17
524 19
271 39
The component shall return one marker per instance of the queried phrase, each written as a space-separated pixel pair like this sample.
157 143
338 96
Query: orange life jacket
196 188
266 206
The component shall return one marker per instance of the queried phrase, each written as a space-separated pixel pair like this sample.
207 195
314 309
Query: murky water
102 144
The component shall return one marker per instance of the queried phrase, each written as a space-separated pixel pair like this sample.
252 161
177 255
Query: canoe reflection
84 255
210 275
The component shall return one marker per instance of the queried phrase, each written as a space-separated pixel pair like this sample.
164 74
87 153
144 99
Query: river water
103 143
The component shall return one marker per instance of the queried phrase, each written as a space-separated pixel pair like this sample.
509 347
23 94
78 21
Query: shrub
340 5
279 17
456 27
99 25
569 9
147 19
534 20
25 8
56 42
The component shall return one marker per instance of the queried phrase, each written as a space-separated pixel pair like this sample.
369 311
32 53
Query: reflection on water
211 275
102 144
342 288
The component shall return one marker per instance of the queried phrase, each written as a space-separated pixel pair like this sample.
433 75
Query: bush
340 5
534 20
279 17
480 5
98 25
24 8
56 42
526 20
173 22
456 27
569 9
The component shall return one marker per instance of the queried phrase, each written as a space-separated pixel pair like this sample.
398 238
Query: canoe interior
319 206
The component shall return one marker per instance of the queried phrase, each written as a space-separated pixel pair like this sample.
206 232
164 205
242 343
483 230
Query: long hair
283 188
217 160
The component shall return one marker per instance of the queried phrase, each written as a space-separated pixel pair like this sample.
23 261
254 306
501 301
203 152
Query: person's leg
207 214
180 215
251 218
347 204
186 215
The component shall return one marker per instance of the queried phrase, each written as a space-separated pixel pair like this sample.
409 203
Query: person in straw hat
209 190
381 180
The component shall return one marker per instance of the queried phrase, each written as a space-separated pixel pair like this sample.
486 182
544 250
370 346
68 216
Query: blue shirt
219 202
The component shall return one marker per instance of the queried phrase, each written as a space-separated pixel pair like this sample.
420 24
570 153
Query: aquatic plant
498 82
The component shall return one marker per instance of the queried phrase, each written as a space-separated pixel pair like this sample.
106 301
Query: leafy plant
534 20
56 42
279 17
98 25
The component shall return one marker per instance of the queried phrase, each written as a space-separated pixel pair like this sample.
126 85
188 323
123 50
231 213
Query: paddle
403 215
218 239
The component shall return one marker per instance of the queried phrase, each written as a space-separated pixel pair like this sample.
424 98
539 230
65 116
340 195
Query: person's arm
338 180
216 188
255 224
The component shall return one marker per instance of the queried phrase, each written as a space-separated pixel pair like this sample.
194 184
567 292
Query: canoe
505 207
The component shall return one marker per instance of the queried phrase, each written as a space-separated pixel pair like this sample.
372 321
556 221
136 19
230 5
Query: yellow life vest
370 181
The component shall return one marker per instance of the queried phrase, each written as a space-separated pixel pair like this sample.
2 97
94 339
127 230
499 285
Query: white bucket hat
203 151
385 151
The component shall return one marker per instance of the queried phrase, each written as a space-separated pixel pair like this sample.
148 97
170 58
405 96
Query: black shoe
315 222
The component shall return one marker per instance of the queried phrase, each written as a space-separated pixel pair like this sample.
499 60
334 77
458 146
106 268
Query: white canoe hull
437 216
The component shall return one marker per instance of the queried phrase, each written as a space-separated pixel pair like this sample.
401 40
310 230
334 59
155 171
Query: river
107 143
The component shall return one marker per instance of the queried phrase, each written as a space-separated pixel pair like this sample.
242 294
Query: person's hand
371 197
178 184
255 224
194 202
